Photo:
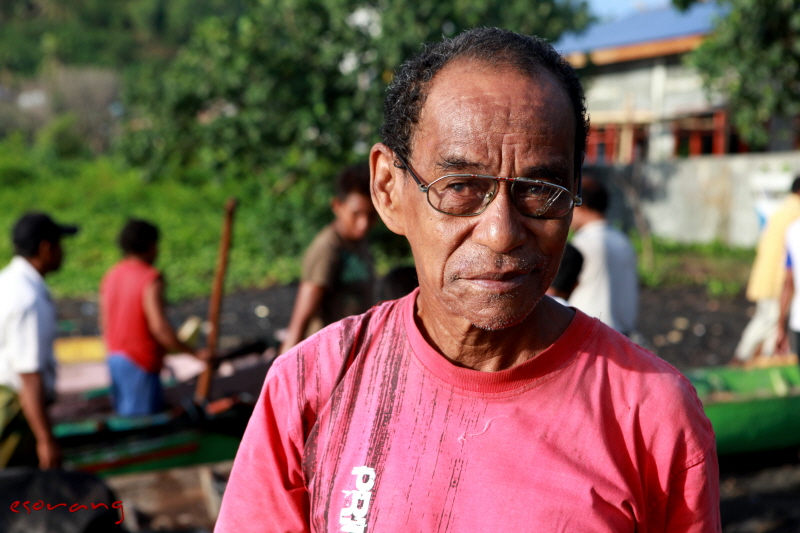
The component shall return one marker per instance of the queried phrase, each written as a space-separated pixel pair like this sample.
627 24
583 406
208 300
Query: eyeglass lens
469 195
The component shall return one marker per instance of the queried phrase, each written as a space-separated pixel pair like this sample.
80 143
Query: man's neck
38 265
139 257
468 346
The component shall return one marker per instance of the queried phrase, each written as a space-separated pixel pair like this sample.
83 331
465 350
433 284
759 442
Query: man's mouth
499 274
498 281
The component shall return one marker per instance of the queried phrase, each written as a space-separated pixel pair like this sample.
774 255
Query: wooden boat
751 409
116 445
94 440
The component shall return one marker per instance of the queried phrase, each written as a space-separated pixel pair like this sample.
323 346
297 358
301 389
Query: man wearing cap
27 332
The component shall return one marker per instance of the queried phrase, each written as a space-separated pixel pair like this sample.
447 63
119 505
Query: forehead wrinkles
493 129
470 114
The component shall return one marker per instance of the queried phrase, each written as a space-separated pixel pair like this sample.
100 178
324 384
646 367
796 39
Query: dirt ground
759 493
682 325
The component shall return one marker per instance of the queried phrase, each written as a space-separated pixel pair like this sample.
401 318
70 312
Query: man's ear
386 186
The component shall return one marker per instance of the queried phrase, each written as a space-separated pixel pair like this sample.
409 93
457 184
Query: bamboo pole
204 381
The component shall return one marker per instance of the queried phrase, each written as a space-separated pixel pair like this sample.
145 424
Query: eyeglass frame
576 199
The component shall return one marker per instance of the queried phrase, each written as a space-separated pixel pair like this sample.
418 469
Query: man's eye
466 187
460 186
535 190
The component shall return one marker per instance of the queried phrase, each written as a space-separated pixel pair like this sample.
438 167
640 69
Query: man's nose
501 227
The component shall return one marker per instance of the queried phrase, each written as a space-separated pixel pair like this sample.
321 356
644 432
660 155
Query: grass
100 196
723 270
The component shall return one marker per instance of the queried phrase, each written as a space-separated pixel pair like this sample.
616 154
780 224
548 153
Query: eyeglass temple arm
422 187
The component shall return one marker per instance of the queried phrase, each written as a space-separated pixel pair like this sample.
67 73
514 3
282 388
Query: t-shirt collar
523 376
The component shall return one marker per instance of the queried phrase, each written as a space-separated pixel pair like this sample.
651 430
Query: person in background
767 279
134 324
567 277
608 286
338 276
27 332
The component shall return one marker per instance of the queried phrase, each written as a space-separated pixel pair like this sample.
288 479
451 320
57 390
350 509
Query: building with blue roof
643 27
644 102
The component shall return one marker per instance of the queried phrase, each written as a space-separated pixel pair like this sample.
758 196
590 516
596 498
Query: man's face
53 255
490 269
355 215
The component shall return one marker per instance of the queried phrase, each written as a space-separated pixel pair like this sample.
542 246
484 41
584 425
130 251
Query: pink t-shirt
365 428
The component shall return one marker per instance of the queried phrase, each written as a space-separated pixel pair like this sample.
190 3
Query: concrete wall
704 199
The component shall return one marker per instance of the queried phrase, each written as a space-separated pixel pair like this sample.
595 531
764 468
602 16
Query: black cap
33 228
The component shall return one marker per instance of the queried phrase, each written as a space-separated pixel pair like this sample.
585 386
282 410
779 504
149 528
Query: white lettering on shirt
353 518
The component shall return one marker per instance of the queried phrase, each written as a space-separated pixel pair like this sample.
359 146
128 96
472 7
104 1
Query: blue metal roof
643 27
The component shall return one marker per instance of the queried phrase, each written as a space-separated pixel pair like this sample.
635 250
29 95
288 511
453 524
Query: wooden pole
204 381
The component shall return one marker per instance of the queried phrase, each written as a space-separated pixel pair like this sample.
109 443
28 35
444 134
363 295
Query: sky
614 9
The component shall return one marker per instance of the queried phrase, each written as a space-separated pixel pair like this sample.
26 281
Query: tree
96 32
280 97
293 85
753 59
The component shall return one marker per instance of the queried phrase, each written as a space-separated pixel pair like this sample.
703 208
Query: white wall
707 198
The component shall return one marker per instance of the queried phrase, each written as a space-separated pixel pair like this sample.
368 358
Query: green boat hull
753 409
116 445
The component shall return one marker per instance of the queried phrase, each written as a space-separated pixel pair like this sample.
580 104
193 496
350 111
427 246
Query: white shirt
608 285
27 326
793 252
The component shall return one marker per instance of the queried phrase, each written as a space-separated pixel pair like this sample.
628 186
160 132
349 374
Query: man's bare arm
34 407
157 323
782 342
309 297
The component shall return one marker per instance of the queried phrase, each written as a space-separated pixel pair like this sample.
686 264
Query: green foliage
280 96
280 103
96 32
753 59
721 269
101 195
16 165
266 101
59 139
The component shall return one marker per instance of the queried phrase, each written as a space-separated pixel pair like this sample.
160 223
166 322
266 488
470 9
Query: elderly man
476 403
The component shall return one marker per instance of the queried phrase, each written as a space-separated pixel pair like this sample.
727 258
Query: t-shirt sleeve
266 490
688 500
319 263
692 504
24 342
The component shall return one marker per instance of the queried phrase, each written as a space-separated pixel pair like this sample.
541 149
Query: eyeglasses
467 195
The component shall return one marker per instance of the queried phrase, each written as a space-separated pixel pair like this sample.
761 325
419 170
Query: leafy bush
60 139
722 269
274 222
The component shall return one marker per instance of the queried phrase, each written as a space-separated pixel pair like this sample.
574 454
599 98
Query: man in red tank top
134 323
